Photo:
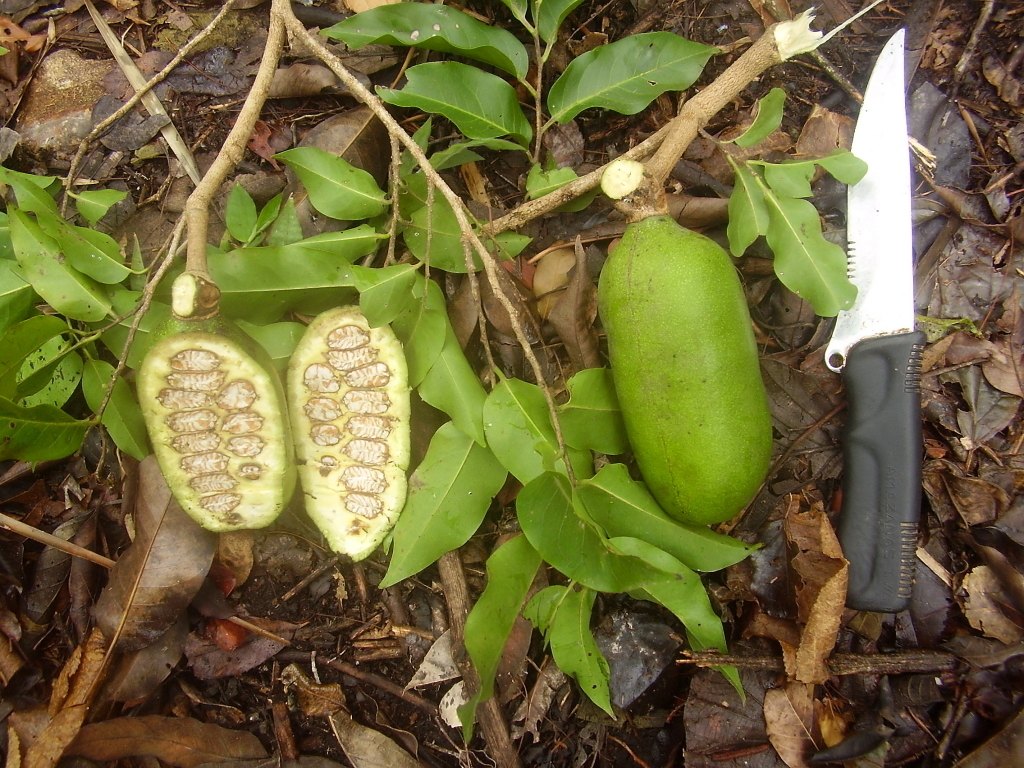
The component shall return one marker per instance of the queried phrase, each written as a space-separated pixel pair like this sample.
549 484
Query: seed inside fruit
250 471
363 505
195 360
375 375
322 409
242 422
205 463
378 427
221 502
236 395
325 434
372 452
320 378
196 442
347 337
246 445
192 421
217 481
182 399
360 401
350 359
364 479
207 381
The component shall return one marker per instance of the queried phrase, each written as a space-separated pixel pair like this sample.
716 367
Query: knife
875 347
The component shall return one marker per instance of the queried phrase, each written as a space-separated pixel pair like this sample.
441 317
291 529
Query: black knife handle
882 448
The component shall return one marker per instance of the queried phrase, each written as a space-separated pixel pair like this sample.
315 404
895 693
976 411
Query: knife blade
875 347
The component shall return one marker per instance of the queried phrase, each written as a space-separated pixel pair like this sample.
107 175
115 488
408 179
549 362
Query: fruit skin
318 393
684 362
263 498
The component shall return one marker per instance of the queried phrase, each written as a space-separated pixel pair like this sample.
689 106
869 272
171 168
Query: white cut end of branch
184 295
796 36
621 178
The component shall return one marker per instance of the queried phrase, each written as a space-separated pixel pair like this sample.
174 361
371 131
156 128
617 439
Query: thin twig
838 664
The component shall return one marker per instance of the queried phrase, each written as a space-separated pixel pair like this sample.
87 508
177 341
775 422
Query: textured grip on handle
882 474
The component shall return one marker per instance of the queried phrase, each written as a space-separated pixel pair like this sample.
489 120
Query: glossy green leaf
279 339
286 228
30 190
571 544
482 105
572 643
16 295
268 214
627 75
60 285
686 597
449 494
451 385
93 204
592 419
511 569
40 433
336 187
260 284
240 214
540 182
518 9
789 179
550 15
115 338
769 117
92 253
518 430
123 416
807 263
20 343
748 214
624 507
433 236
50 375
386 292
844 165
436 28
461 152
421 328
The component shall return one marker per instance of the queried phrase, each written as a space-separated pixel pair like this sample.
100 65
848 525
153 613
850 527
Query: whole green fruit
684 362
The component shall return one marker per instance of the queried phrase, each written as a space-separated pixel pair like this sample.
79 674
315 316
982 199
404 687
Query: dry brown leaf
137 674
234 552
822 577
985 598
366 748
208 661
179 741
315 699
156 578
574 314
824 132
80 675
789 718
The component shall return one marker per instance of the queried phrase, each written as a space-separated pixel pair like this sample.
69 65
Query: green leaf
540 182
789 179
92 253
748 214
805 261
279 339
123 416
433 236
19 344
421 328
386 292
844 165
286 228
267 216
93 204
60 285
627 75
31 191
436 28
482 105
518 430
571 544
551 14
461 152
769 117
451 385
262 283
624 507
449 494
40 433
50 375
16 296
592 419
240 214
511 569
518 9
336 187
574 649
687 598
115 338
